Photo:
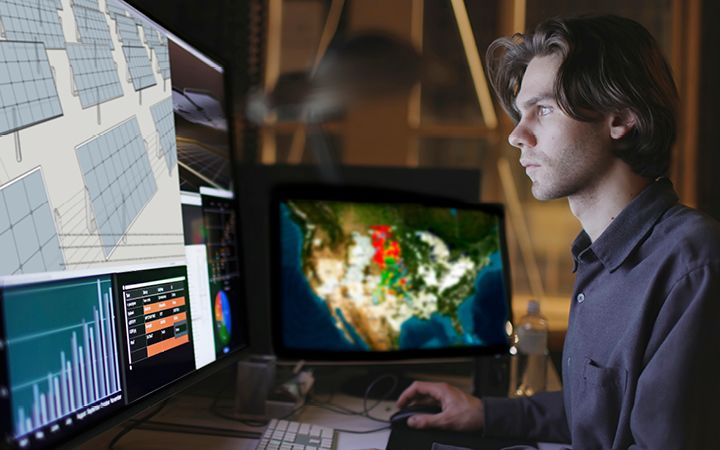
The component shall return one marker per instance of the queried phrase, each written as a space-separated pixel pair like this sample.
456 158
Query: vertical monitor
372 274
119 273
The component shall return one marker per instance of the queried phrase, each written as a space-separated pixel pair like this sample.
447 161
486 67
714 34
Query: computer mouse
401 416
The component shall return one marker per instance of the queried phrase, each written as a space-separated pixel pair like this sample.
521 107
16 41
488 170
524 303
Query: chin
545 194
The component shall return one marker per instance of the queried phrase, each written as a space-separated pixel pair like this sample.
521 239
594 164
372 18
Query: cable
133 424
339 409
374 430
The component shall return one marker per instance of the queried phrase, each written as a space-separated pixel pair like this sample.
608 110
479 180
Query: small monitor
368 274
119 276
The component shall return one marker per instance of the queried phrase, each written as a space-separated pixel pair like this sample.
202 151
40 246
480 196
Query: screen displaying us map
390 277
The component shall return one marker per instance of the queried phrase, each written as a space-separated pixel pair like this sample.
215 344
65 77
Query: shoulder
689 236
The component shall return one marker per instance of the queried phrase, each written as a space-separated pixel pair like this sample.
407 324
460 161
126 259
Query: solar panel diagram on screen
28 94
33 21
92 25
28 235
118 178
164 119
95 74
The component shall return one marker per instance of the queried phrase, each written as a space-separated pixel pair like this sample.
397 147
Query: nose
521 136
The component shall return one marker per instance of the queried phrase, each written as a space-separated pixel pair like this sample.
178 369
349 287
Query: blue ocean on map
309 325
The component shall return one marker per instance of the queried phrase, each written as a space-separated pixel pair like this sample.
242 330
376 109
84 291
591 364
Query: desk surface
194 408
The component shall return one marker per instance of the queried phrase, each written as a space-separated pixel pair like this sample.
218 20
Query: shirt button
580 297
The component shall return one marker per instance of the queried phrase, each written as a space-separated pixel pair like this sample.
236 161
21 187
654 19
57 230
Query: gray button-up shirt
641 362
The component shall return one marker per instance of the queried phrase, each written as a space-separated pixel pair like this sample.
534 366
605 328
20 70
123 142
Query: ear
621 123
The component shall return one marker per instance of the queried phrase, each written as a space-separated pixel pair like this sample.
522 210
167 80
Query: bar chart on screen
63 363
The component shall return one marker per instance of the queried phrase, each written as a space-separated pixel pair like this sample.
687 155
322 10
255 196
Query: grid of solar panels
28 94
128 31
115 9
163 59
93 26
35 21
152 37
57 4
95 73
28 236
119 179
164 119
141 72
92 4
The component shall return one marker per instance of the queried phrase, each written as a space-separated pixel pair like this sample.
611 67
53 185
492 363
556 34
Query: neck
598 205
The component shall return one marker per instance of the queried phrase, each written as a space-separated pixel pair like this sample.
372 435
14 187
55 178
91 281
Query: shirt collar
629 228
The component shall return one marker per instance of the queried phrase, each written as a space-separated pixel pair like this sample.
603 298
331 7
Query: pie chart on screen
223 322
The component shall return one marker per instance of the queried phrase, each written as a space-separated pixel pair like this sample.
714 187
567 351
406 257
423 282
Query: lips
528 164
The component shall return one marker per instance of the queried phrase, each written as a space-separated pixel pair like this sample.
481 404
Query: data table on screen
156 317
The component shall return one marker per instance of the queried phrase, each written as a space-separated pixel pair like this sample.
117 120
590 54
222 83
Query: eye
544 110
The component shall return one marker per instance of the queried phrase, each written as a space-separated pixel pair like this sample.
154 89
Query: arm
678 392
540 417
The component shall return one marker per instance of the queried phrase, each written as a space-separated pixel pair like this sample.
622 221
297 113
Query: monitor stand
379 383
386 381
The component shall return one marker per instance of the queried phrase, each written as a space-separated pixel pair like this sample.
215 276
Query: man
594 102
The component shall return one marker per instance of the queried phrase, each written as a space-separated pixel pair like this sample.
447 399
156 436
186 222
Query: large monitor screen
119 273
367 274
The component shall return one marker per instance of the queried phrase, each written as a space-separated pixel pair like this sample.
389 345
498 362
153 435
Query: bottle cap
533 307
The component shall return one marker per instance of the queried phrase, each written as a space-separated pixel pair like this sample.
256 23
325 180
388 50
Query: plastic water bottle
528 367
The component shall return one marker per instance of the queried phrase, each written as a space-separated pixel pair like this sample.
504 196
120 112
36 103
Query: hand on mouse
460 411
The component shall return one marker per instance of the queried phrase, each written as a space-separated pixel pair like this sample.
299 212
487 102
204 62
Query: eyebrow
536 99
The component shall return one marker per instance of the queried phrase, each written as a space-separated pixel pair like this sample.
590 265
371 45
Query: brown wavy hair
610 64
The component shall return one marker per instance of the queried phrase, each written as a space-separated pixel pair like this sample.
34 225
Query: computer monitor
367 274
119 276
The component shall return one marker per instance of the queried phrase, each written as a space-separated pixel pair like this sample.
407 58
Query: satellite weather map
390 277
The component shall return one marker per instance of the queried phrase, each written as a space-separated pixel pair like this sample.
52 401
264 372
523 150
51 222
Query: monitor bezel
224 361
364 194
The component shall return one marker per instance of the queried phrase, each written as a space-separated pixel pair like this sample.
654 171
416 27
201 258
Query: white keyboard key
290 435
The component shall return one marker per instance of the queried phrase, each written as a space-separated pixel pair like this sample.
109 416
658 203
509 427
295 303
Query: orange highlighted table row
165 322
163 305
167 344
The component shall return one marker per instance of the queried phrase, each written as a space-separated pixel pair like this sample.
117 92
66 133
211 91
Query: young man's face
562 156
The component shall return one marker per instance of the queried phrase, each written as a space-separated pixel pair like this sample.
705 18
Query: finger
421 421
419 389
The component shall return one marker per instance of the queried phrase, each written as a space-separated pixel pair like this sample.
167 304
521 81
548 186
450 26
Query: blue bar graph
64 362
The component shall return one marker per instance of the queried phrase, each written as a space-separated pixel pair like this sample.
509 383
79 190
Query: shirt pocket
599 407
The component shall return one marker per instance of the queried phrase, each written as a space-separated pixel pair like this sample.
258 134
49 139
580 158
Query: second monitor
376 274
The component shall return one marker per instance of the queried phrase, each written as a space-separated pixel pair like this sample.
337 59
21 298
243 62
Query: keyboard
288 435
